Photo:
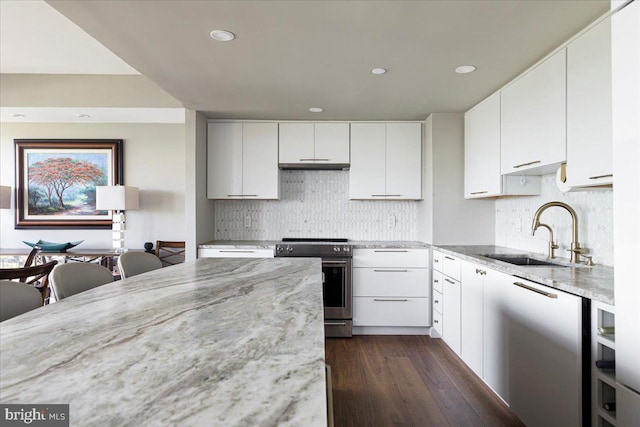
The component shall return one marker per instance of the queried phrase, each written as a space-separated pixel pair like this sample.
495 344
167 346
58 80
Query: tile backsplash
315 204
514 217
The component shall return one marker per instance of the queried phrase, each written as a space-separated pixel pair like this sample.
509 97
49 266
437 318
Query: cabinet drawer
416 258
437 281
375 282
437 302
437 322
438 260
235 253
386 311
451 267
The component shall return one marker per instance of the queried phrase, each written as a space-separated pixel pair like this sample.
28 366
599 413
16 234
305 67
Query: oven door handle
335 323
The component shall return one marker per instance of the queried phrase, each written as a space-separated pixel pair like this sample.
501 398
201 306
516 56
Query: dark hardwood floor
408 381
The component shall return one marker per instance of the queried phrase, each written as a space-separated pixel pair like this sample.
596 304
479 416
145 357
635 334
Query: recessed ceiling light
18 116
316 109
222 35
378 71
465 69
83 116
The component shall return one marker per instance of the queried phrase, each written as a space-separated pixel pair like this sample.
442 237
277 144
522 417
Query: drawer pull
386 195
478 192
242 195
538 291
526 164
435 321
435 281
236 251
335 323
450 281
436 260
480 272
436 301
391 271
391 299
601 176
315 160
391 250
449 258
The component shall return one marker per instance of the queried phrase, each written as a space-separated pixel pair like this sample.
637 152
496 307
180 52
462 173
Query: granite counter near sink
595 282
231 342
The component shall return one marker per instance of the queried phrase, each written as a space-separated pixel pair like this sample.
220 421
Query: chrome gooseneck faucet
575 250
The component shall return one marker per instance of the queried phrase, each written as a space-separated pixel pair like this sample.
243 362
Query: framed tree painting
56 181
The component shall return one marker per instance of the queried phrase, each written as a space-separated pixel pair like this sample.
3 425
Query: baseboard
389 330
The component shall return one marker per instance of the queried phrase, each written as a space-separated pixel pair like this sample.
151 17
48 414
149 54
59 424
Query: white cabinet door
224 160
391 311
482 176
589 131
390 282
332 143
391 257
494 332
260 173
533 119
296 142
403 161
544 357
628 406
472 293
451 313
367 174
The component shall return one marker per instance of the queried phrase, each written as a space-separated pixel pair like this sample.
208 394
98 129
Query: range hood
314 166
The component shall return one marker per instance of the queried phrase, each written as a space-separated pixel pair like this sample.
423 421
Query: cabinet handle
435 321
538 291
450 281
242 195
436 260
391 271
526 164
478 192
601 176
391 299
307 160
390 250
436 301
448 257
322 160
435 281
233 251
386 195
480 272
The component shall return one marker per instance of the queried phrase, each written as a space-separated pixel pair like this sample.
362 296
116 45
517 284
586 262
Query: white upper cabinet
589 132
242 161
314 143
482 177
533 119
386 161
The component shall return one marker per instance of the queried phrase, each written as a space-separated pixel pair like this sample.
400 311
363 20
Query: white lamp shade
5 197
117 198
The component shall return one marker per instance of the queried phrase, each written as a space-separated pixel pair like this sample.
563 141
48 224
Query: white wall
514 217
445 217
154 161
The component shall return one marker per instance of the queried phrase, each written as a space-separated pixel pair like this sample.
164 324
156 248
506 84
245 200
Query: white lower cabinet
235 253
391 288
471 294
451 313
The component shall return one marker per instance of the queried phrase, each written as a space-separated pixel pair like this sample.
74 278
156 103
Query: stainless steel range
336 278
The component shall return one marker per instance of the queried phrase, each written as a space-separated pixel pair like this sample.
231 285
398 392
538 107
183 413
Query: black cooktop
313 239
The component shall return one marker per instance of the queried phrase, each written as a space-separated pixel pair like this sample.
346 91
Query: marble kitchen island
215 342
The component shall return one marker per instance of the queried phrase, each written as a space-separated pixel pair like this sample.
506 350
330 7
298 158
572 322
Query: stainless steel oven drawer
337 328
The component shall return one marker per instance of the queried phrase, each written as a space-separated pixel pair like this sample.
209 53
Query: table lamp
5 197
117 198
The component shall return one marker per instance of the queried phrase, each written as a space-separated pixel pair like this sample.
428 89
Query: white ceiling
292 55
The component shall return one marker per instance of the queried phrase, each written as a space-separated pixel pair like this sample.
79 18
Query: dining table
211 342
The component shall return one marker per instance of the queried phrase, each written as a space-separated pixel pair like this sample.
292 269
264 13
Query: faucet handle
589 262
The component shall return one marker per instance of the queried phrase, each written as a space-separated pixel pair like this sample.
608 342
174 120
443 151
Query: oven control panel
313 250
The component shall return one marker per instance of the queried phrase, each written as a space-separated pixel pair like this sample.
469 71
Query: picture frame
56 180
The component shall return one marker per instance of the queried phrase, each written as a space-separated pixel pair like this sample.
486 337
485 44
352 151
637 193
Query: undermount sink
522 260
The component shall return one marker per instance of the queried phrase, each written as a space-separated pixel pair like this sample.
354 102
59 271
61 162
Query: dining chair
17 298
170 253
36 276
70 279
32 256
133 263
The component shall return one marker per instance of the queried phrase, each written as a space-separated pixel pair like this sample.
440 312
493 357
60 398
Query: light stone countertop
271 244
215 342
595 283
